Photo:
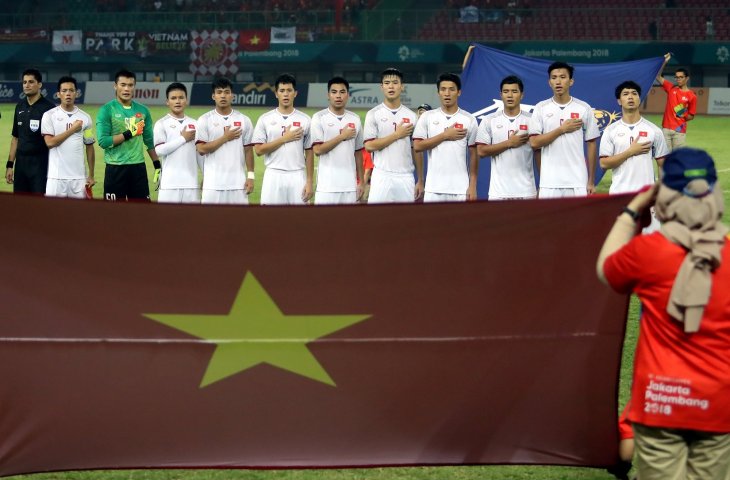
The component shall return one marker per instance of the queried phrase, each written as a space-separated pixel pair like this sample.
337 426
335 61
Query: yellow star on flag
256 331
255 40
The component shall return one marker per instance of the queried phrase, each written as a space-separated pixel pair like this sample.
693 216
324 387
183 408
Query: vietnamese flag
216 336
254 40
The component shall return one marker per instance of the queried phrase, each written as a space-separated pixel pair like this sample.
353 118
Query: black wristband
156 164
127 135
9 164
634 215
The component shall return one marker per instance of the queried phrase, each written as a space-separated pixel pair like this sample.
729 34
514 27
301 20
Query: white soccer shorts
64 187
229 197
335 198
444 197
563 192
283 187
179 195
387 187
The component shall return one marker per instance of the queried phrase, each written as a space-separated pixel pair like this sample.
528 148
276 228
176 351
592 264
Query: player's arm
91 162
514 141
624 229
107 139
691 109
537 155
636 148
290 135
545 139
591 159
418 164
466 56
309 164
448 135
250 175
360 175
11 159
471 193
53 141
164 148
401 131
660 76
346 134
229 134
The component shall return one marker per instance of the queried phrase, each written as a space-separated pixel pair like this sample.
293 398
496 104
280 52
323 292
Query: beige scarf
693 223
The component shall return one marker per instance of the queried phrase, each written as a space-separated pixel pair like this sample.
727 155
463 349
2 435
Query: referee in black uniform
27 167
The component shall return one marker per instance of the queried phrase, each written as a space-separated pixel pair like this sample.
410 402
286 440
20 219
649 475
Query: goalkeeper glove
134 130
158 173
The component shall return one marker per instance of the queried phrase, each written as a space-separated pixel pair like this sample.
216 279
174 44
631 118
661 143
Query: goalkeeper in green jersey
124 128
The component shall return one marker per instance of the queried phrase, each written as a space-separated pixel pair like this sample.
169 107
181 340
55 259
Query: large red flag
196 336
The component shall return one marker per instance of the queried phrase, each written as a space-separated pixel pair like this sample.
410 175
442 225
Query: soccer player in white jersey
503 136
174 136
337 140
387 134
282 136
68 133
448 134
630 146
224 141
561 126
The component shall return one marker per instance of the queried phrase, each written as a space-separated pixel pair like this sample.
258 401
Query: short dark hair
176 86
448 77
512 79
388 72
338 80
35 72
285 78
679 70
126 74
222 83
557 65
628 84
66 79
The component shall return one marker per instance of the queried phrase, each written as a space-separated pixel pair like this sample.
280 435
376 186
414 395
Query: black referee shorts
126 182
30 174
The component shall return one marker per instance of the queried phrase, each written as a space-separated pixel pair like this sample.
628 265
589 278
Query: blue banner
594 84
247 95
